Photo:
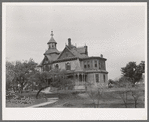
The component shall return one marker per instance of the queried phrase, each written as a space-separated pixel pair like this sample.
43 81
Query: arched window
56 66
68 66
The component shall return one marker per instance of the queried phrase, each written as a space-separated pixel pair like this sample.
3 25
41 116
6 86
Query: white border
69 113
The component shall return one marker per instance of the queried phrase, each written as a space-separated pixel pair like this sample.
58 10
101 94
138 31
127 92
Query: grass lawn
70 99
109 99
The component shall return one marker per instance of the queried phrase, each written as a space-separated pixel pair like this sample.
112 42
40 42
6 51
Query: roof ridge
81 47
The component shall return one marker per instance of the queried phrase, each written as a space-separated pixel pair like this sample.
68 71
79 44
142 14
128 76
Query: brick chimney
69 42
86 50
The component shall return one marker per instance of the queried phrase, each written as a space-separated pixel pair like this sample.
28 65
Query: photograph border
74 1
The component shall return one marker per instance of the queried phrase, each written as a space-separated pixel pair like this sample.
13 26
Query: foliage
124 82
20 73
54 78
9 74
110 83
133 71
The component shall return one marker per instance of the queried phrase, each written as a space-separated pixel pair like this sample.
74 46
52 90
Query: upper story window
85 64
95 63
56 66
99 65
88 64
68 66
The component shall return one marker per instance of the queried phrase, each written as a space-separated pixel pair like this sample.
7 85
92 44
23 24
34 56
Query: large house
80 67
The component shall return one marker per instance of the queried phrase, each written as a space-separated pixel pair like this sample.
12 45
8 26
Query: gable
66 53
45 60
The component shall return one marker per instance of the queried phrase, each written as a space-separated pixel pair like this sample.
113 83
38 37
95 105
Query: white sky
116 31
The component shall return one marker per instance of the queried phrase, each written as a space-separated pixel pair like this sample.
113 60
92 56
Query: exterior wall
91 77
101 79
100 64
74 64
66 54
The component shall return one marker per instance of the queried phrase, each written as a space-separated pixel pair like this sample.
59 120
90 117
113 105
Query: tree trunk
135 103
40 91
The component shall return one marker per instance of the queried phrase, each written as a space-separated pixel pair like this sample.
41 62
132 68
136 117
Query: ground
25 99
110 98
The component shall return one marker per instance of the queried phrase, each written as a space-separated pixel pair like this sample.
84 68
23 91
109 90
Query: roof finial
52 33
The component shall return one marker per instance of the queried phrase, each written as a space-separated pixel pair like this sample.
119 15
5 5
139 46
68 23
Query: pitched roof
78 68
40 65
77 54
52 50
52 57
81 49
52 40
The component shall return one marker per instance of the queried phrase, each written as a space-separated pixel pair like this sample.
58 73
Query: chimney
86 50
101 56
69 42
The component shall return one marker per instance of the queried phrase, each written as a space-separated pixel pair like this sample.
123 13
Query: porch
80 79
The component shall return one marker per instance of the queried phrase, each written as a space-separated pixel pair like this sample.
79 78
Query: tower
52 43
52 51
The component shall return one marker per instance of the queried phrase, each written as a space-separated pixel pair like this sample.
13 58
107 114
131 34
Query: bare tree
95 93
136 94
125 83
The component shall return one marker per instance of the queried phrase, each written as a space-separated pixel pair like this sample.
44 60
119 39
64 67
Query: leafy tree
54 78
133 71
20 73
9 74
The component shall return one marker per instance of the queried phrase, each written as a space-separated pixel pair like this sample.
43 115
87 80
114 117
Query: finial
52 33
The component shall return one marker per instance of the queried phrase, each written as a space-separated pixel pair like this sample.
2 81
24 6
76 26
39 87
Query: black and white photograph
74 61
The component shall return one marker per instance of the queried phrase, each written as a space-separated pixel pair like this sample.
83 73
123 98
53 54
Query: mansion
80 67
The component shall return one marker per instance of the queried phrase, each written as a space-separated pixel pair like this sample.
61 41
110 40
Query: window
95 63
84 64
46 68
104 78
97 78
68 66
99 65
88 64
56 66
